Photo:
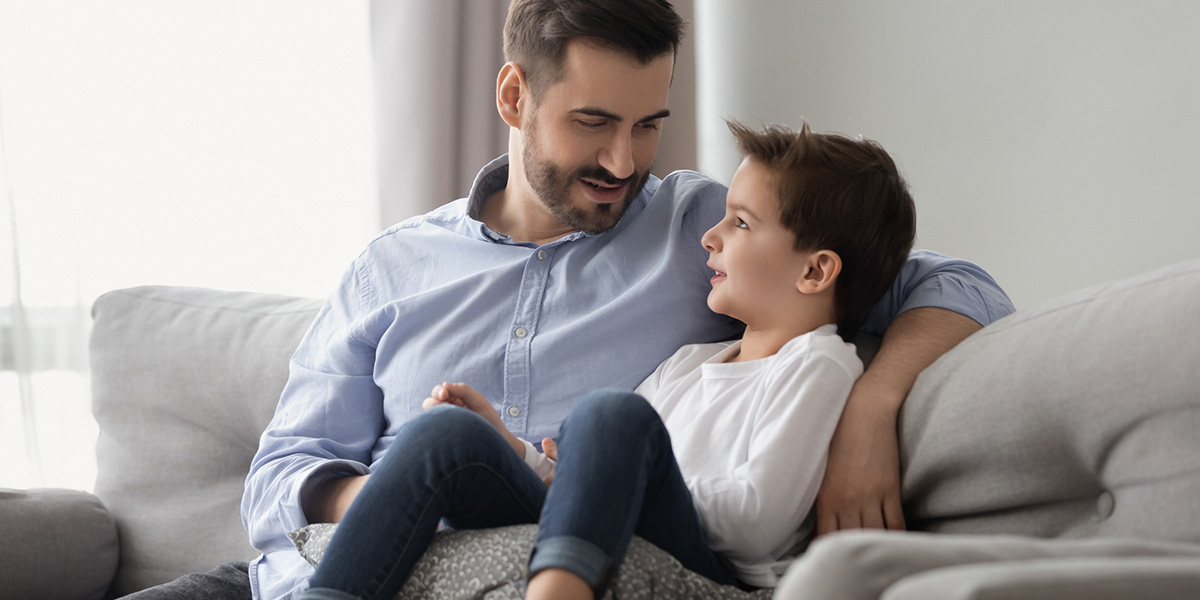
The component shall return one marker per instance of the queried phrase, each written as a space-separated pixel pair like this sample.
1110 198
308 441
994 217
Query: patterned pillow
490 564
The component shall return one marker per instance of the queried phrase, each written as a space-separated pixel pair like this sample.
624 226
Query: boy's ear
512 94
821 269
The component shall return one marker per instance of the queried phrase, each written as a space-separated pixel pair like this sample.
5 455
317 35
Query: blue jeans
616 477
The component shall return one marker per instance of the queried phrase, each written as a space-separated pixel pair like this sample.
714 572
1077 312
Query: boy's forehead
753 190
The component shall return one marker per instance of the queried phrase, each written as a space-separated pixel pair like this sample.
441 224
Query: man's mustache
603 175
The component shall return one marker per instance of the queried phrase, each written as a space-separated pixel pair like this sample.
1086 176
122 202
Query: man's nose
617 155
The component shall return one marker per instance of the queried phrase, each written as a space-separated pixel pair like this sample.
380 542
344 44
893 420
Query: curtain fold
43 364
435 67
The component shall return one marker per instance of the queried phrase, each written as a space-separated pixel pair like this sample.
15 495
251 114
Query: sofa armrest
56 544
1058 579
869 565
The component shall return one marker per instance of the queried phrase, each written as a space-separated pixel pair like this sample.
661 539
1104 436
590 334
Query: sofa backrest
184 381
1076 418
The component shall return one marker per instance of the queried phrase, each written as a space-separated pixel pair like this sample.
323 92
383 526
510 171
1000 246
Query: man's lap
230 581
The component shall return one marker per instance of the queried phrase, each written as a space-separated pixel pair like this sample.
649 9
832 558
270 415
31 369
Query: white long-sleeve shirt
752 439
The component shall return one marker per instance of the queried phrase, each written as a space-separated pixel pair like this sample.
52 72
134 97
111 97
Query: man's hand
461 394
861 488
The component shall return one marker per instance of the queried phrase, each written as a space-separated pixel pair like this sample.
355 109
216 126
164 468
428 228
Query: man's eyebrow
600 112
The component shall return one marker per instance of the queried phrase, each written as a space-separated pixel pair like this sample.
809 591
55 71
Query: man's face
589 142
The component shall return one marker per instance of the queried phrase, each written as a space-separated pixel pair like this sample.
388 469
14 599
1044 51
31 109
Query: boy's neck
763 341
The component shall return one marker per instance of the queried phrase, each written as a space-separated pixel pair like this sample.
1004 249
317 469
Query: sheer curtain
210 143
42 344
436 63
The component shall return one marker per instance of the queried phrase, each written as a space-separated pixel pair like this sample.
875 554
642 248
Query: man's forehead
597 78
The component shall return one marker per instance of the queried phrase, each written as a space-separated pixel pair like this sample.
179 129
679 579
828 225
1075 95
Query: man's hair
836 193
536 32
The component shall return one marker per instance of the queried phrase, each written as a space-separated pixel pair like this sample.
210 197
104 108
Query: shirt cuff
333 469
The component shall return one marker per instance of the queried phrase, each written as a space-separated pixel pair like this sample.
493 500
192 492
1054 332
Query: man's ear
512 94
821 269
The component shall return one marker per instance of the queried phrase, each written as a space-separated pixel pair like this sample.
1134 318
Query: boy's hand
861 488
550 449
461 394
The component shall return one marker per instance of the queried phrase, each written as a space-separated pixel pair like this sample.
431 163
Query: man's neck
521 221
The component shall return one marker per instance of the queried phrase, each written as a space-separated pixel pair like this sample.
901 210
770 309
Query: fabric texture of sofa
1053 454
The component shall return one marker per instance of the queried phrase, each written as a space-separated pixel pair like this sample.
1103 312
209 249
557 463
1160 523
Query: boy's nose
710 239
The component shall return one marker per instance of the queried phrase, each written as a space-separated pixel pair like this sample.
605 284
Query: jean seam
374 592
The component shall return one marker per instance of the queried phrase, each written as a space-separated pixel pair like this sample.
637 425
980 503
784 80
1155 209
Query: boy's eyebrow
734 206
600 112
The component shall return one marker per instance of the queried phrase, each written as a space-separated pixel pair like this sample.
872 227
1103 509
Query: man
568 268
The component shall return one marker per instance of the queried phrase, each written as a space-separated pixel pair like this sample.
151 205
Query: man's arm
935 302
861 488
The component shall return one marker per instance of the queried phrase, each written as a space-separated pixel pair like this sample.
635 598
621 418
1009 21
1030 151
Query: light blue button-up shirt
441 297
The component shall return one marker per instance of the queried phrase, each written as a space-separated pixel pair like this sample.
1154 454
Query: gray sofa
1054 454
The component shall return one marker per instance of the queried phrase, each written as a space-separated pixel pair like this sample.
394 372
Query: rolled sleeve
929 279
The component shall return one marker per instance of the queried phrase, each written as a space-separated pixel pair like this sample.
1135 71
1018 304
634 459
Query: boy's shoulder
822 343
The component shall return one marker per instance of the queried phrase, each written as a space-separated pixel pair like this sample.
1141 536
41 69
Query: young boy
718 455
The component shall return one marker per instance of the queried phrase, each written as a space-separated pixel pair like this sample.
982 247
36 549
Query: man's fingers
893 514
850 520
872 517
827 521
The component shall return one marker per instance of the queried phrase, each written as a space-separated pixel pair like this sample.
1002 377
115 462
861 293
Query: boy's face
757 265
589 143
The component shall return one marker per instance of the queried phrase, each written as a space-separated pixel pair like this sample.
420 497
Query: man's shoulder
445 217
686 184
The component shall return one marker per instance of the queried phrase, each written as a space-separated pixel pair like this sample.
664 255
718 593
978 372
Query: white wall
1054 143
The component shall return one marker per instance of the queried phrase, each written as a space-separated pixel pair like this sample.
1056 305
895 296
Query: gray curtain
435 65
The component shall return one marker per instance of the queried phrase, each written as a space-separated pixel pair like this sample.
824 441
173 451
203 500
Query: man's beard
554 190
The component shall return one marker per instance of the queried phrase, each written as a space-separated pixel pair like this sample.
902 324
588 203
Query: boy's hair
536 32
844 195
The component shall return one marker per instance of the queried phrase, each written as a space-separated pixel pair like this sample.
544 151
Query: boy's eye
742 224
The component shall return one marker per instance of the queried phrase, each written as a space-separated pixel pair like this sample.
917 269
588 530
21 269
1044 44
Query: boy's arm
861 487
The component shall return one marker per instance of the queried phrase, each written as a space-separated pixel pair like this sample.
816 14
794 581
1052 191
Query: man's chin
599 219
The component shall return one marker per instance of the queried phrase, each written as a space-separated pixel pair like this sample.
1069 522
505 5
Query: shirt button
514 411
541 255
521 332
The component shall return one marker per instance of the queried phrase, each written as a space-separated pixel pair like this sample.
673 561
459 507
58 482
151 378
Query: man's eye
651 126
592 124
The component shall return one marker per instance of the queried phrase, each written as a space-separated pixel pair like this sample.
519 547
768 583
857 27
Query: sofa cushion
1076 418
490 563
55 544
184 382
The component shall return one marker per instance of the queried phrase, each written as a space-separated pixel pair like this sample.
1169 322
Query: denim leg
616 477
446 463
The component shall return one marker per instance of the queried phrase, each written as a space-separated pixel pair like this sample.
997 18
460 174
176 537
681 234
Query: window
209 143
